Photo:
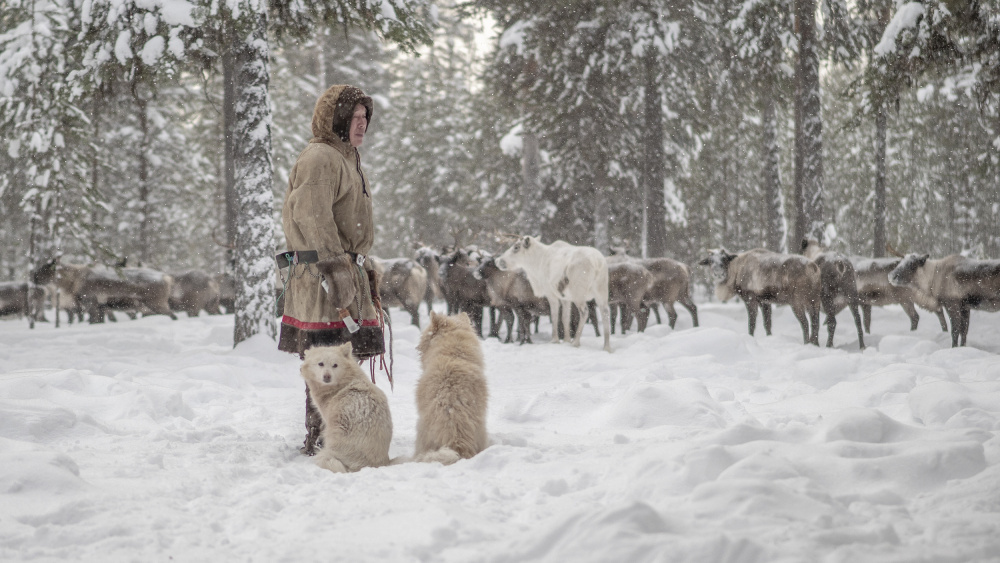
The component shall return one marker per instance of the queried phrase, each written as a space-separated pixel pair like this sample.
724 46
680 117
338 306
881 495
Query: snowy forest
163 131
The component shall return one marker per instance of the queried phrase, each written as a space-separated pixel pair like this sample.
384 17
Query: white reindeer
563 274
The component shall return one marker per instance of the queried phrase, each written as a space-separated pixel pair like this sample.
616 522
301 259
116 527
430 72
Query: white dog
357 426
451 393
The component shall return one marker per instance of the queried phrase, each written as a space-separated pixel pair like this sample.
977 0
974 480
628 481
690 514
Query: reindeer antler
455 232
215 239
893 251
508 236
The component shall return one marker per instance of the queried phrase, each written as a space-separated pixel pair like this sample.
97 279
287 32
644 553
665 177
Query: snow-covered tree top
905 18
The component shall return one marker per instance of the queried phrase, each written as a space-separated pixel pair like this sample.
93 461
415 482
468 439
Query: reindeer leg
800 315
691 307
614 318
584 317
671 313
944 324
642 316
911 312
765 311
567 320
555 313
814 324
605 319
955 316
831 327
752 315
831 318
866 311
592 316
507 315
966 315
523 325
857 323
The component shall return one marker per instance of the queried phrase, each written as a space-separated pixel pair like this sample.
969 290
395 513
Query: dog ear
347 349
464 317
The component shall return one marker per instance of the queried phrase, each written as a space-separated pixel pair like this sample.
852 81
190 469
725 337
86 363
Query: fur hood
334 109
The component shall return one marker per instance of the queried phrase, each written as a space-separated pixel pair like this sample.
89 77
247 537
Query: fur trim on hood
334 111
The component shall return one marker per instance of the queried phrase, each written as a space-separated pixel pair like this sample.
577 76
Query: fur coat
328 208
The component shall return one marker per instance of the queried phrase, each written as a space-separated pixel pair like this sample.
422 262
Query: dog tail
444 456
399 460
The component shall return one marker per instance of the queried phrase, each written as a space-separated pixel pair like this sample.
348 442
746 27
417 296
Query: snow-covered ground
153 439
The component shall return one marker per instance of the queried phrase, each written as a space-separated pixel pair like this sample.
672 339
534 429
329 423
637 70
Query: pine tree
38 122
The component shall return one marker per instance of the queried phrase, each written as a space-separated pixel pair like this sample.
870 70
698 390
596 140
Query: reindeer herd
571 284
97 291
829 281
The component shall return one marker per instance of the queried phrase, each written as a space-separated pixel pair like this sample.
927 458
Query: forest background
164 130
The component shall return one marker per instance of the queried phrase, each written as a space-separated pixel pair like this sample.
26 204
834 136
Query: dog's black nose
326 378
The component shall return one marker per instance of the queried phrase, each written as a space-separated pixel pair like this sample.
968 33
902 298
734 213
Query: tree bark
879 237
654 243
774 234
142 109
798 196
602 241
810 131
528 219
254 267
229 71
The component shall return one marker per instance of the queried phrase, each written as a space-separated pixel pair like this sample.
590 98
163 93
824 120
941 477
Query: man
328 209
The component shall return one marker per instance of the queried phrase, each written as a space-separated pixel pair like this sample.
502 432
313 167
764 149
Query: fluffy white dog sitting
451 393
357 426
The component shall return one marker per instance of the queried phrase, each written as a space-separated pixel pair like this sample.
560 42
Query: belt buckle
360 260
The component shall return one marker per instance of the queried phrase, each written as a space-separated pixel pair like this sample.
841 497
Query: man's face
359 124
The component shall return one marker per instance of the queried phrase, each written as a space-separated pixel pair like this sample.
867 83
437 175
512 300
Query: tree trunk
811 130
229 71
142 108
528 219
601 211
798 197
95 169
254 267
654 243
879 237
774 234
34 260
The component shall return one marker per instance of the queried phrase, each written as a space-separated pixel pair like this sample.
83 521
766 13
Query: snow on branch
905 18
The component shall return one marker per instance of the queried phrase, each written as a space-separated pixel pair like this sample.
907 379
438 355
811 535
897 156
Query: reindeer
874 289
564 275
22 298
430 260
462 289
404 284
628 283
511 291
762 278
839 287
671 283
193 291
956 283
60 281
